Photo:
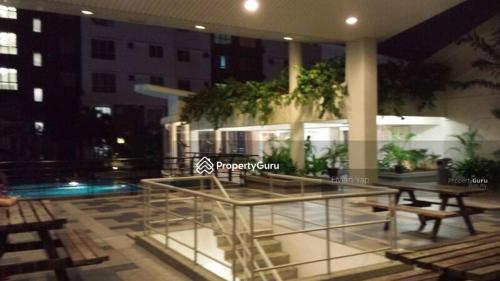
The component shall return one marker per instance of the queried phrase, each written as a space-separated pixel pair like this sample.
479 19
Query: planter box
418 176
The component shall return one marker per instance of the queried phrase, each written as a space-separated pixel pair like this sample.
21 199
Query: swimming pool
71 189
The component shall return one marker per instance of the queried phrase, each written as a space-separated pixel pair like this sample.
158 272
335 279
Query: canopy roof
304 20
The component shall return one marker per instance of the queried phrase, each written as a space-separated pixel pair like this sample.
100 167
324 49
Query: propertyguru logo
206 166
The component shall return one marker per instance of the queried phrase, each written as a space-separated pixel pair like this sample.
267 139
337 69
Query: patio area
111 220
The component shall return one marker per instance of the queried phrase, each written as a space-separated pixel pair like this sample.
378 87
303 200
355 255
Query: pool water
73 189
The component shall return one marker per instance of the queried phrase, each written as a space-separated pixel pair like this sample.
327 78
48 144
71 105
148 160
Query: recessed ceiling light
351 20
87 12
288 38
201 27
251 5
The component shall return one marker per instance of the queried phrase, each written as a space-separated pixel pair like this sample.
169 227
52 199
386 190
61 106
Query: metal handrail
164 183
249 229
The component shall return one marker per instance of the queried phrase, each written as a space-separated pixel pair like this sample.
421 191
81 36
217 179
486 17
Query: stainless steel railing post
393 224
195 224
252 246
167 216
234 238
303 206
328 252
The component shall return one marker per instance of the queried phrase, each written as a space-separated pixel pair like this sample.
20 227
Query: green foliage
470 143
313 164
395 153
337 153
489 61
281 154
324 85
479 169
401 81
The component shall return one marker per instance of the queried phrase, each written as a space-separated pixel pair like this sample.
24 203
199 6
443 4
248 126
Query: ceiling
304 20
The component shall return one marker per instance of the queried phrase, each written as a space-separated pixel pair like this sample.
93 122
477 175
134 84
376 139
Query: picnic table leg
3 243
465 215
437 222
422 220
50 249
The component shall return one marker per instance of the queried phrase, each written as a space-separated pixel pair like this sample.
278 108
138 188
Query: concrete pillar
361 76
296 126
218 141
294 64
173 139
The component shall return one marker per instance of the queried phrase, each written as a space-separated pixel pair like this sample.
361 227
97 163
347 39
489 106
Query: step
268 245
285 274
223 241
276 258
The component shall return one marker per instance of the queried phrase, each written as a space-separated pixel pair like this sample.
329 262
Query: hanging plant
402 81
322 85
489 62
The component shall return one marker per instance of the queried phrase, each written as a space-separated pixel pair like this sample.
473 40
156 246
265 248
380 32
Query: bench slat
51 210
15 215
442 250
491 272
98 251
416 210
456 254
40 211
468 258
3 217
80 245
459 270
402 275
27 212
73 253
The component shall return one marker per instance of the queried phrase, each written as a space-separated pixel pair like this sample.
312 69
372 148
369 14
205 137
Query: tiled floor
108 220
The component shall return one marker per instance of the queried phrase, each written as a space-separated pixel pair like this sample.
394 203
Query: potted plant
397 154
337 153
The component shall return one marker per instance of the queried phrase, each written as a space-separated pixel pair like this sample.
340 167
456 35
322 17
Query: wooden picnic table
41 217
445 192
472 258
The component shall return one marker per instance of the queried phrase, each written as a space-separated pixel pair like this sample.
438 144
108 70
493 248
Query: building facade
39 84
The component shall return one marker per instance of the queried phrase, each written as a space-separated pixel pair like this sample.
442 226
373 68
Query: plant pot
332 172
399 169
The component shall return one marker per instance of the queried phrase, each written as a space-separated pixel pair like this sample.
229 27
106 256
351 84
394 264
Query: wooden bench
474 207
473 258
410 275
79 249
433 214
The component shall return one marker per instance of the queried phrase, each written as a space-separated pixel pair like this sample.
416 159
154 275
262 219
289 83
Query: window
222 62
184 85
102 110
38 95
37 59
183 56
7 12
103 82
8 78
37 25
131 77
39 127
222 39
103 49
156 80
153 116
130 45
155 51
8 43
